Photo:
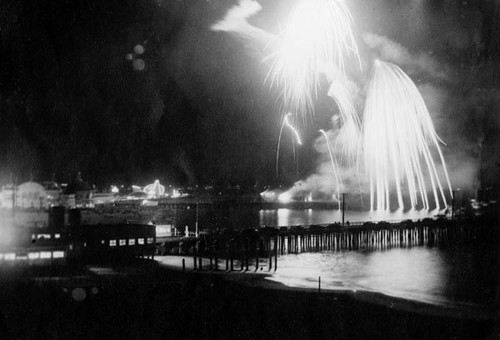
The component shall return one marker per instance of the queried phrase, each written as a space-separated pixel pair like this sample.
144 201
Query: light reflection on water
425 274
288 217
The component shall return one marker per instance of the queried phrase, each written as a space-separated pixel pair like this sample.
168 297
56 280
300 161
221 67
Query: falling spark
294 130
398 134
316 38
333 161
349 137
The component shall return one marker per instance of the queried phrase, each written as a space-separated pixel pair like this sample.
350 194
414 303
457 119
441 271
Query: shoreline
156 299
459 310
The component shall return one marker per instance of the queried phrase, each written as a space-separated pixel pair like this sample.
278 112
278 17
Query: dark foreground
155 303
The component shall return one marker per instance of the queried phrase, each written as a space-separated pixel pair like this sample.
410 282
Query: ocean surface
462 275
240 217
452 276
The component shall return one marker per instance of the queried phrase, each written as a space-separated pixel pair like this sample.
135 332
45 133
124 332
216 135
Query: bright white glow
45 255
285 197
348 140
131 242
155 189
317 36
33 256
175 193
9 256
58 254
398 134
114 189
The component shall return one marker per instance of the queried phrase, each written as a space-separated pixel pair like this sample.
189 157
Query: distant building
78 194
7 196
154 190
31 195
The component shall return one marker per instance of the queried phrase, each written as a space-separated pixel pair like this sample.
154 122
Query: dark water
455 275
244 217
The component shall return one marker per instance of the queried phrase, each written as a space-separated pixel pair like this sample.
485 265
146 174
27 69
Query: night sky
130 91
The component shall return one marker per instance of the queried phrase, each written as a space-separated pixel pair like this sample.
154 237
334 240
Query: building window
9 256
140 241
131 242
123 242
58 254
150 240
112 243
33 256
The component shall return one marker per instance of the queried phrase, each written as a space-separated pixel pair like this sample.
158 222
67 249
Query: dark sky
189 105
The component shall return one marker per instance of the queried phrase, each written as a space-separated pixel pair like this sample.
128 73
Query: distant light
114 189
45 255
139 64
285 197
58 254
139 49
129 56
33 256
9 256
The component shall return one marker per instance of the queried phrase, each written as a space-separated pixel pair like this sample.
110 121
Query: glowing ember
397 133
317 37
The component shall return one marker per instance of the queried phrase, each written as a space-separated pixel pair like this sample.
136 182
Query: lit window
131 242
112 243
57 235
47 236
140 241
123 242
102 241
9 256
150 240
45 254
33 256
58 254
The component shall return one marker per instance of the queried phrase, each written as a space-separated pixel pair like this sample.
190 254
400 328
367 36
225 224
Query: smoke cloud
389 50
236 22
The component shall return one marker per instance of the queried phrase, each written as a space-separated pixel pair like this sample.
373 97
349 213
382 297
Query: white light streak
398 134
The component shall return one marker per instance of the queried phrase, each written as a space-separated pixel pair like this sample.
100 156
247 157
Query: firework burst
317 37
349 137
333 160
398 136
293 130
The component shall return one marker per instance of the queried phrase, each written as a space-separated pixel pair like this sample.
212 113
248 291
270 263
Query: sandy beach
157 300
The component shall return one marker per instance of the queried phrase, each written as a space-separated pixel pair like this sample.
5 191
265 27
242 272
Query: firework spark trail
333 161
349 137
294 130
398 131
317 37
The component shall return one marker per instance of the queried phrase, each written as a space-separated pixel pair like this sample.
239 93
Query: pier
258 249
